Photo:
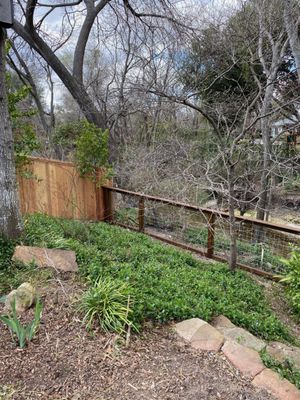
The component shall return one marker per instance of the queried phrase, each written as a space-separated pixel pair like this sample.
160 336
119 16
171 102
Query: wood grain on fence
55 188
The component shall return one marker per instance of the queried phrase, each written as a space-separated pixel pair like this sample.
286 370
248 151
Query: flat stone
207 338
280 388
282 352
243 337
222 322
62 260
186 329
243 358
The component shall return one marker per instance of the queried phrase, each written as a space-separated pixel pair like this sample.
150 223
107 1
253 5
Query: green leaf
32 328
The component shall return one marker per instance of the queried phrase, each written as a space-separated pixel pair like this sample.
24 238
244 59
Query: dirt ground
64 362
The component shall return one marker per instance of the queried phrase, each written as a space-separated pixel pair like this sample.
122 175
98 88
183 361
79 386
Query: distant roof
286 121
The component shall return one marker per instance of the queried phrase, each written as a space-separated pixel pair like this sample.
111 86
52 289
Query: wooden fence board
55 188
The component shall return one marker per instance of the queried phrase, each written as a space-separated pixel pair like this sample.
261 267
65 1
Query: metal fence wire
261 246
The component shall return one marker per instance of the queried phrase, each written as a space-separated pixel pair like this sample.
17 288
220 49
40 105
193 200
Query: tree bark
267 149
10 218
231 206
92 12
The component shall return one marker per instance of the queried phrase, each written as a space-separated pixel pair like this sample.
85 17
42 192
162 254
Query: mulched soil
64 362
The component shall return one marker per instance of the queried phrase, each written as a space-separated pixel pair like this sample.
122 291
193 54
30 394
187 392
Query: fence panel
55 188
260 245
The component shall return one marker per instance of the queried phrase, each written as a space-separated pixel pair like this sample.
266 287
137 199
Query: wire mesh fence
259 245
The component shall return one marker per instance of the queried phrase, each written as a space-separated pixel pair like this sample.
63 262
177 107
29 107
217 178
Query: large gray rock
243 358
24 297
207 338
239 335
222 322
243 337
282 352
186 329
200 334
280 388
61 260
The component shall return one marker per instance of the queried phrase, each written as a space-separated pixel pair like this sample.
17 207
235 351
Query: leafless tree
21 67
31 28
239 121
272 36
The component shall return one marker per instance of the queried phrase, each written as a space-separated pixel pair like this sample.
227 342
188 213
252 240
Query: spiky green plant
107 302
23 333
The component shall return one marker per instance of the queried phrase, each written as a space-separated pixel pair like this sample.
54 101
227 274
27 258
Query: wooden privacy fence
55 188
260 245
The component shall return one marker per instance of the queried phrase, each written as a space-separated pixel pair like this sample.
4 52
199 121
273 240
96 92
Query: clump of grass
107 303
166 284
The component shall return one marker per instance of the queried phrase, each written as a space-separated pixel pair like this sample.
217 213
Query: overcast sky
200 10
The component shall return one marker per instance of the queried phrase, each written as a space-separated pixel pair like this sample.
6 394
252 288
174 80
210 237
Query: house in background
287 129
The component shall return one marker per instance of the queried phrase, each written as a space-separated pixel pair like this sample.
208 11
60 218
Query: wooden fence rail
211 217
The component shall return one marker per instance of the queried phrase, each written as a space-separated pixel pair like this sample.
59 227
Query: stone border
241 348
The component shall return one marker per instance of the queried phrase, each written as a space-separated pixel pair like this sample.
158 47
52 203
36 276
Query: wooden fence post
141 214
211 235
108 205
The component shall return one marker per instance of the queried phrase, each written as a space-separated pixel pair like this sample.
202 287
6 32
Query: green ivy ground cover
166 284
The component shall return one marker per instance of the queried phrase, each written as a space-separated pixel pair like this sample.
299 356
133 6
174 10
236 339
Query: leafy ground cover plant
166 284
292 279
106 302
23 333
198 236
253 251
286 369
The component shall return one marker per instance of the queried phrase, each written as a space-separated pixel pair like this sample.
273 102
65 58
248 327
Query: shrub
91 150
25 143
23 333
25 137
86 144
292 279
108 303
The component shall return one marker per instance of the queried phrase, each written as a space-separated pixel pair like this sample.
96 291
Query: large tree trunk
75 87
10 218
